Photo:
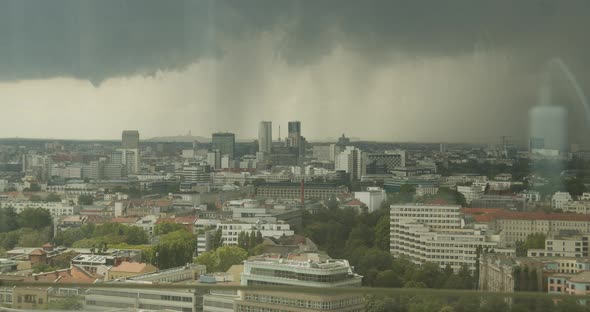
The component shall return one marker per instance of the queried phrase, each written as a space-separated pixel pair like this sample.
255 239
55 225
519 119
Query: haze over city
452 72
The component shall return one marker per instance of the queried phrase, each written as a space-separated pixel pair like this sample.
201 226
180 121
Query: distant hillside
180 138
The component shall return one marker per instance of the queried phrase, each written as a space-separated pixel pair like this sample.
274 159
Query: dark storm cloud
99 39
326 62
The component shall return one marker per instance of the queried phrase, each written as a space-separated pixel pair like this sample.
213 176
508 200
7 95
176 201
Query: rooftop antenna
279 133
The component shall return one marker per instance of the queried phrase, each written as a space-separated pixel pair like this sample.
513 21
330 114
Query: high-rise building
214 158
382 163
129 158
294 134
225 142
130 139
351 162
265 137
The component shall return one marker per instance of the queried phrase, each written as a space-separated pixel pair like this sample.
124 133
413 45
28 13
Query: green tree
387 304
34 218
533 280
34 188
135 235
222 258
388 278
259 238
8 219
252 239
167 227
208 259
246 240
256 250
35 198
382 233
241 240
574 186
29 237
516 272
373 258
42 267
466 278
230 255
174 249
217 239
525 278
70 303
533 241
85 200
424 304
429 274
52 197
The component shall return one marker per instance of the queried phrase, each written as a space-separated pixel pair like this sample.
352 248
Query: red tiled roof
123 220
73 274
126 266
437 201
491 214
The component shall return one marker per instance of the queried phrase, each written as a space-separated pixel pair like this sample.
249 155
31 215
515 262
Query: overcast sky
380 70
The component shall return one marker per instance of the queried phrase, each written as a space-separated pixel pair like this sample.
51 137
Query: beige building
573 245
129 269
29 298
495 274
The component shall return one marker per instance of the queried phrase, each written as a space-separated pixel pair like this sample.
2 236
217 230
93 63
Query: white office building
560 200
231 229
351 162
470 192
214 159
373 197
56 209
129 158
434 233
575 246
283 272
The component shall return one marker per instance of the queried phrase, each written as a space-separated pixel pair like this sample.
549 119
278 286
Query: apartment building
515 226
470 192
230 230
560 200
293 190
56 209
435 233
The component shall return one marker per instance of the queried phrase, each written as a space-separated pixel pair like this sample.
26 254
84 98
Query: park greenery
51 197
470 302
366 247
69 303
31 228
533 241
173 249
222 258
95 236
85 200
167 227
